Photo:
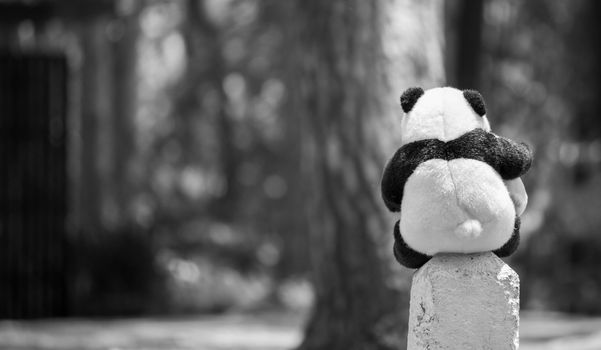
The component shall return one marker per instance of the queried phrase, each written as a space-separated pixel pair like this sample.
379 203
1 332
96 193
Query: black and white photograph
300 174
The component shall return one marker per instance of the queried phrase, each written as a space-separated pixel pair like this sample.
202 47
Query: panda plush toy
455 183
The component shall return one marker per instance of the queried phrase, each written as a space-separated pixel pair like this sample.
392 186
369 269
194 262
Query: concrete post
464 301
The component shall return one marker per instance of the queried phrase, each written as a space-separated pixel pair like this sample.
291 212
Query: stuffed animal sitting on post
456 184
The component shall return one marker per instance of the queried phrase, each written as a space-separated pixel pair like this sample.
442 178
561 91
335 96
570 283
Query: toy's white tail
469 229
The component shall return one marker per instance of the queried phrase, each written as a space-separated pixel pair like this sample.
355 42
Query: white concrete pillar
464 301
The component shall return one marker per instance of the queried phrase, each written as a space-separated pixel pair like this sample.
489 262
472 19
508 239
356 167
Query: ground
263 331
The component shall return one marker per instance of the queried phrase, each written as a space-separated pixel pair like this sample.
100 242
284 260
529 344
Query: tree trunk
87 205
464 42
351 61
205 76
124 109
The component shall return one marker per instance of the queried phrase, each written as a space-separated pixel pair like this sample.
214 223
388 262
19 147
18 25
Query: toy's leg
508 248
404 254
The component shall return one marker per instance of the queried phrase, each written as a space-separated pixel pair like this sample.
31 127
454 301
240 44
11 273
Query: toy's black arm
402 165
392 183
509 158
514 158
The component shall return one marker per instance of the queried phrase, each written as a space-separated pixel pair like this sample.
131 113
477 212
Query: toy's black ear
475 100
410 97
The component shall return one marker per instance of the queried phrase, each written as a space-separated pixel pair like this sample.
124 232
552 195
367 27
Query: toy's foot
404 254
508 248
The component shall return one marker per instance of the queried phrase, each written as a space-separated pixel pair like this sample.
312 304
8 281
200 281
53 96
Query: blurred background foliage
184 180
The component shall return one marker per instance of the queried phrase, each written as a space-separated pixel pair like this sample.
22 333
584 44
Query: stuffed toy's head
456 184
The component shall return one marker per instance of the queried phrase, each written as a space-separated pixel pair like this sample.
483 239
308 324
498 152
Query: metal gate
33 93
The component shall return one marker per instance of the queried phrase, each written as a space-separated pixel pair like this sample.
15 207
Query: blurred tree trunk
103 148
87 206
464 21
585 51
351 60
124 109
206 71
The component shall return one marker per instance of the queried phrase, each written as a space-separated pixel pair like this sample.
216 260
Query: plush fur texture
476 101
510 247
413 260
443 114
457 206
410 97
404 254
455 183
506 157
518 195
